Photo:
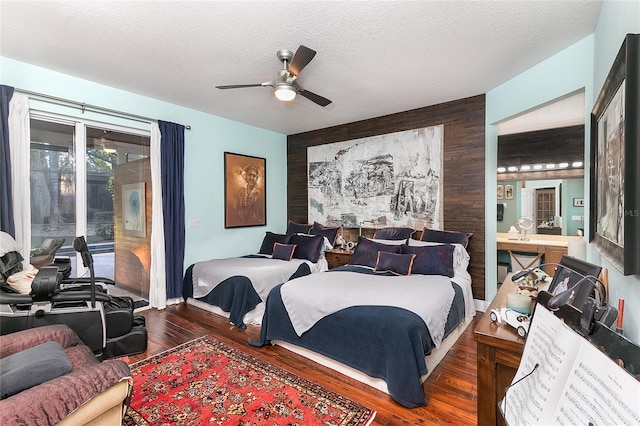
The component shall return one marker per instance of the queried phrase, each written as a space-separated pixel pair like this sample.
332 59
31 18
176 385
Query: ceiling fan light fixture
285 92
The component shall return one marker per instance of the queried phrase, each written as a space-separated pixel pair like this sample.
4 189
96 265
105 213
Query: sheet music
574 383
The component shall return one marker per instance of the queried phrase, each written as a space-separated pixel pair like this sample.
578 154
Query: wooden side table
499 352
338 257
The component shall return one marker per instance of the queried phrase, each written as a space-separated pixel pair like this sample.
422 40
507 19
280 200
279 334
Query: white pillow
388 242
7 244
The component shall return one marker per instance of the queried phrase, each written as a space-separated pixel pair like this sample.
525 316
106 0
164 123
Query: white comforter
309 299
264 273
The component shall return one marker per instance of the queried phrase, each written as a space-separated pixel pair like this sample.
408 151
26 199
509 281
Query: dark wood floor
451 387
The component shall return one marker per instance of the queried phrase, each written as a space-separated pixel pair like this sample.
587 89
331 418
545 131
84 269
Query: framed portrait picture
614 208
508 192
134 210
245 198
500 192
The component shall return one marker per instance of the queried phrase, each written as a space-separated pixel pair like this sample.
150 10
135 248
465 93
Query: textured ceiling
374 57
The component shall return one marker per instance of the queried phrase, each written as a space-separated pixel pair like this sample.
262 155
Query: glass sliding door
53 188
80 174
116 162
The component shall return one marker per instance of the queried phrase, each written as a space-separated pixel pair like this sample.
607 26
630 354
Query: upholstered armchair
91 392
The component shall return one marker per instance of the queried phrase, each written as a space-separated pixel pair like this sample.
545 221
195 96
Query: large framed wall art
245 195
615 155
393 179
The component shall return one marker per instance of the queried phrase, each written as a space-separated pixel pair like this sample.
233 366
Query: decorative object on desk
513 233
512 317
525 223
530 284
206 381
615 155
508 192
519 302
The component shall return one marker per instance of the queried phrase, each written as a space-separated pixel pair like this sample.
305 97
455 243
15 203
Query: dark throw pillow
298 228
270 239
451 237
283 251
366 252
308 247
432 260
325 231
392 233
399 264
31 367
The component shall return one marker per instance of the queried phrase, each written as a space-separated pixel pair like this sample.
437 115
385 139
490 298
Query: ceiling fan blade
314 98
239 86
301 58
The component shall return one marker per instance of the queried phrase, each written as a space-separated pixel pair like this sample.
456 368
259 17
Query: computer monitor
569 273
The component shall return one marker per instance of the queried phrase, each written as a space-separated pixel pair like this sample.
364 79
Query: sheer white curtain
19 143
157 286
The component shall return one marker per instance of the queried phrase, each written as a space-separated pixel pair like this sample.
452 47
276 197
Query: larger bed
236 287
378 323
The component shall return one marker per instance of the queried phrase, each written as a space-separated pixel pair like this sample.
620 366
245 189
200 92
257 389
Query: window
545 205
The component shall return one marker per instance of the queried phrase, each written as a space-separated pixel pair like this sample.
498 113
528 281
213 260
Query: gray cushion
32 367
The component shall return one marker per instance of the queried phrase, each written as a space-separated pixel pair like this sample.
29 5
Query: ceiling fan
285 84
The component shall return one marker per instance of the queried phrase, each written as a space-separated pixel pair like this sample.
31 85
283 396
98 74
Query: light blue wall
210 136
582 65
572 188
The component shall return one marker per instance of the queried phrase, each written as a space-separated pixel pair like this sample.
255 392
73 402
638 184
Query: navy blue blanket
235 295
382 341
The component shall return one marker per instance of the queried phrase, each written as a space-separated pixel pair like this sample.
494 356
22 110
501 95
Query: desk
553 246
499 352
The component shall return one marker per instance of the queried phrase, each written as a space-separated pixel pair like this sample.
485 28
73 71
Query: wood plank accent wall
132 254
463 174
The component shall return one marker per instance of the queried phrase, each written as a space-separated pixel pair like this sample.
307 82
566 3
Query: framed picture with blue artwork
133 210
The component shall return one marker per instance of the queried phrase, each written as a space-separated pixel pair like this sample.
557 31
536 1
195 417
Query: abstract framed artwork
615 154
245 195
134 210
500 192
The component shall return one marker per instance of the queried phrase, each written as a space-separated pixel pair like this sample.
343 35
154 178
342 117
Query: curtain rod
91 108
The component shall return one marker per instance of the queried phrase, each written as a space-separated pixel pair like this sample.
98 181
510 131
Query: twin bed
237 287
381 319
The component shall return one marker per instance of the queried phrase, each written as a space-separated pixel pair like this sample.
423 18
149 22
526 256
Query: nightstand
338 257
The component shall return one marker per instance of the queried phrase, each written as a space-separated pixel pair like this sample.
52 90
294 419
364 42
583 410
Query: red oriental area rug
206 381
